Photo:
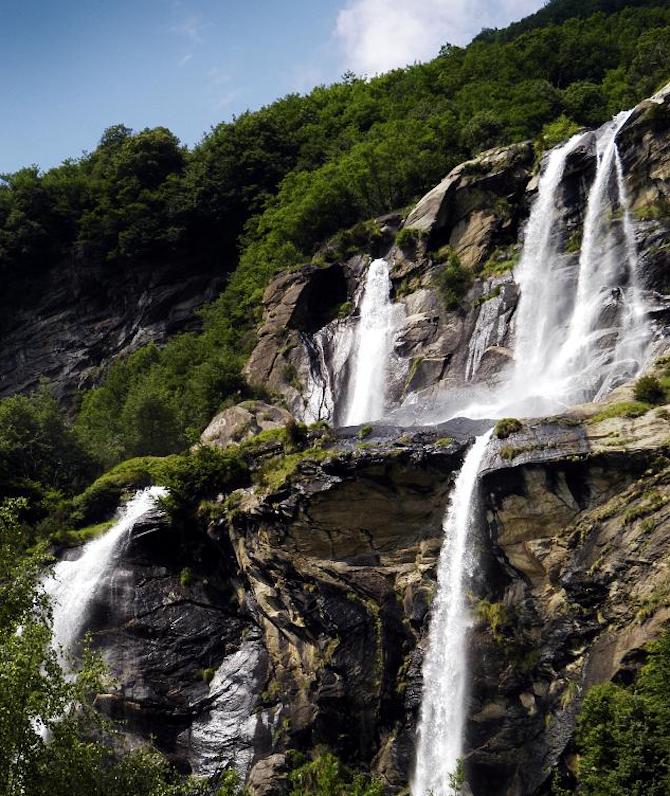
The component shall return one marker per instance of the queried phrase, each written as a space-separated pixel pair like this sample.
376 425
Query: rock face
302 609
298 617
475 215
73 322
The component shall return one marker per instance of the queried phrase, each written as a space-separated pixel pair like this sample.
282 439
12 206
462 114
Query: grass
75 538
506 427
621 409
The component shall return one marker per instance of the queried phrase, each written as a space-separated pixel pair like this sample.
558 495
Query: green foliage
554 133
457 778
98 501
574 243
186 577
506 427
39 447
623 734
502 261
408 238
326 776
201 474
621 409
453 281
495 615
364 431
648 389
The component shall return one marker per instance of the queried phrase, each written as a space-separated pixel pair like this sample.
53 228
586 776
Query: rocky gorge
295 613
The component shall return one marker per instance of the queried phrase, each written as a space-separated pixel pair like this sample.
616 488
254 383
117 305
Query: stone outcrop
300 617
242 421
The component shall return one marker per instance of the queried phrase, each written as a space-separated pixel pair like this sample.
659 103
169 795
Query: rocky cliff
67 327
474 217
294 613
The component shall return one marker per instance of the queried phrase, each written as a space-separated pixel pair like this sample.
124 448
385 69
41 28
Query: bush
201 474
326 776
555 133
648 389
506 427
623 734
408 238
453 281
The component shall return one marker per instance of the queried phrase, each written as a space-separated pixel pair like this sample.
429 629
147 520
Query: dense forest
258 195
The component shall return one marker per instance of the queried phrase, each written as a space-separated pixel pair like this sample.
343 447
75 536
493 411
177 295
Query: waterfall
578 333
443 708
73 585
541 284
372 348
606 336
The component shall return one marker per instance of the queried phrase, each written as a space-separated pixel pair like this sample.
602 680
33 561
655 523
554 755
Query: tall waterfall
603 337
579 332
372 348
541 284
73 585
445 668
608 318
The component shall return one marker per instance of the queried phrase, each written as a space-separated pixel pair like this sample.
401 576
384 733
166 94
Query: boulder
245 420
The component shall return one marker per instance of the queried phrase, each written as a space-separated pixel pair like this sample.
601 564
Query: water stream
372 348
445 669
73 585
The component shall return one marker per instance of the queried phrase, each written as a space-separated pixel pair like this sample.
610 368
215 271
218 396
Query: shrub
506 427
408 238
364 432
326 776
555 133
203 473
453 281
623 734
648 389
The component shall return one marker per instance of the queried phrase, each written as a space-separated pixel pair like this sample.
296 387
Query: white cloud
185 59
377 35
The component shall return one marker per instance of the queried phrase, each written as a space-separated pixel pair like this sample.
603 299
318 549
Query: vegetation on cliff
623 733
262 193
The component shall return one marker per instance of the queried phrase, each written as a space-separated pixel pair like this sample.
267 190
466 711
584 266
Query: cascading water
575 338
372 348
445 669
73 585
542 286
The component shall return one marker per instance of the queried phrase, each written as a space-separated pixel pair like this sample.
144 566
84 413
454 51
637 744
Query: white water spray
443 708
73 585
372 348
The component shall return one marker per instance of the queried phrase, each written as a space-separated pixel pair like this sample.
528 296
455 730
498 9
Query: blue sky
70 68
